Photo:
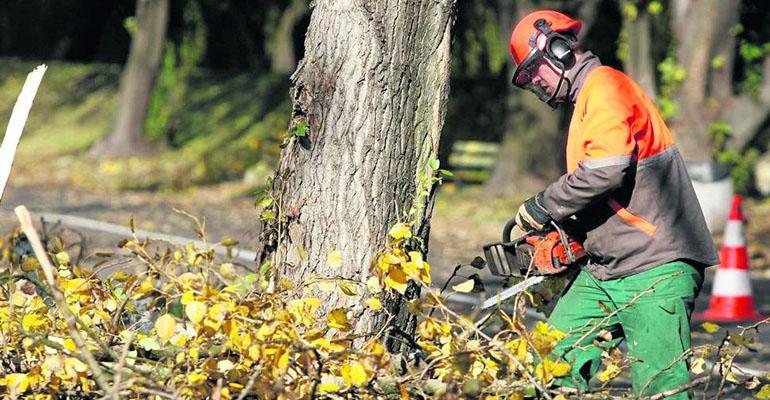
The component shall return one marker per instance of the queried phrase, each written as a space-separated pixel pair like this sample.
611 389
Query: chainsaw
532 256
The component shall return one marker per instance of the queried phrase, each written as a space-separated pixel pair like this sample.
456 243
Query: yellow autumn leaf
425 274
145 287
69 344
400 231
187 297
354 374
328 387
196 378
334 259
374 303
543 371
391 258
411 269
227 270
373 284
33 321
396 279
698 366
329 384
464 287
195 311
338 318
763 393
17 383
63 258
224 366
710 327
609 373
165 326
74 285
416 257
561 369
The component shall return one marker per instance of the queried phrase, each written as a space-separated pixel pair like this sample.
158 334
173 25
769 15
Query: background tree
280 33
530 150
136 81
369 102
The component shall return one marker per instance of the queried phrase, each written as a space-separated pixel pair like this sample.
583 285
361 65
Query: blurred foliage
741 163
479 44
232 37
672 75
227 125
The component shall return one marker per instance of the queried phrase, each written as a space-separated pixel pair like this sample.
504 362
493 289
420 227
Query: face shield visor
528 69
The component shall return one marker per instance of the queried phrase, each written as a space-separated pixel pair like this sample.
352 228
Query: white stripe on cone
733 236
731 283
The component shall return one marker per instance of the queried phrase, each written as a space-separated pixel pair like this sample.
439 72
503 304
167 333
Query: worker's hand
532 215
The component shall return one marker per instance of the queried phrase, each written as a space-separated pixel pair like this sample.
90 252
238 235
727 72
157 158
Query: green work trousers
651 310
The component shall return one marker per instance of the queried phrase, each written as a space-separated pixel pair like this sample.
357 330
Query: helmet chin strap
558 95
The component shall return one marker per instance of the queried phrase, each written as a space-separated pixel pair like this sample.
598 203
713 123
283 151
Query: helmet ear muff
557 47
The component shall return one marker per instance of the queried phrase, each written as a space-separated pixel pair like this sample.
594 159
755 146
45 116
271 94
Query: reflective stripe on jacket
626 182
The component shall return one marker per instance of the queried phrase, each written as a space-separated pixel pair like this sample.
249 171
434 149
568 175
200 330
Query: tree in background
369 103
279 44
136 81
530 155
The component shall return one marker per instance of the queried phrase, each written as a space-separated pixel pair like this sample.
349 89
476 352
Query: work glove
532 215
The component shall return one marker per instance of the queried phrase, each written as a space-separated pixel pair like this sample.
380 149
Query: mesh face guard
522 78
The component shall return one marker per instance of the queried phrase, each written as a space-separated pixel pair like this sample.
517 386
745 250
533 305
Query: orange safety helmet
543 34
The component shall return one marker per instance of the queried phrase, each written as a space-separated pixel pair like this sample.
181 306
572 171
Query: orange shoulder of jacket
609 84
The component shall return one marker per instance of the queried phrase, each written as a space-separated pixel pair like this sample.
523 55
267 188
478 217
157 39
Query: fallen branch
680 389
48 271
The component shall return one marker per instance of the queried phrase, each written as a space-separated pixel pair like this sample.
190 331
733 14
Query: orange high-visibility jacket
626 182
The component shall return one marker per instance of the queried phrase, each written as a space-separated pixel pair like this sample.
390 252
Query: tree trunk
280 46
638 62
136 82
697 46
531 153
372 89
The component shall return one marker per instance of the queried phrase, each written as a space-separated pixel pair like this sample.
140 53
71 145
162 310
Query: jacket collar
577 74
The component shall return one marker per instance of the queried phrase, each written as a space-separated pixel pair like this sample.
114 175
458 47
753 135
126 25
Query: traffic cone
731 298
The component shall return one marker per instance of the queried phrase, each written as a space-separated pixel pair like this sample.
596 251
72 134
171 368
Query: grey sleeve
592 179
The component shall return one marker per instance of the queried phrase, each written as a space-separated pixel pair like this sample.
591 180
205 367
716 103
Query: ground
463 220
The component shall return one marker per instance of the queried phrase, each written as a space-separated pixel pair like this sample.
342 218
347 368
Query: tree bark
372 88
136 82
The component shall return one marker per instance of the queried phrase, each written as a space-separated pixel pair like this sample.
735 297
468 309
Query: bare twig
48 270
603 321
682 356
680 389
119 368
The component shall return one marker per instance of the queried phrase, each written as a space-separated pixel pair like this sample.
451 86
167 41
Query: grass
228 124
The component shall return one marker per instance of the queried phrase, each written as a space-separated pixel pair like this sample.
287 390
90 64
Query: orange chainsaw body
536 253
550 254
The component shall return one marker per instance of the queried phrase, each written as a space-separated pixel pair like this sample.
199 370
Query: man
627 190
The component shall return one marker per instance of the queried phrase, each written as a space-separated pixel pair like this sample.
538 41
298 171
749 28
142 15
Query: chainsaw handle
565 241
507 230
